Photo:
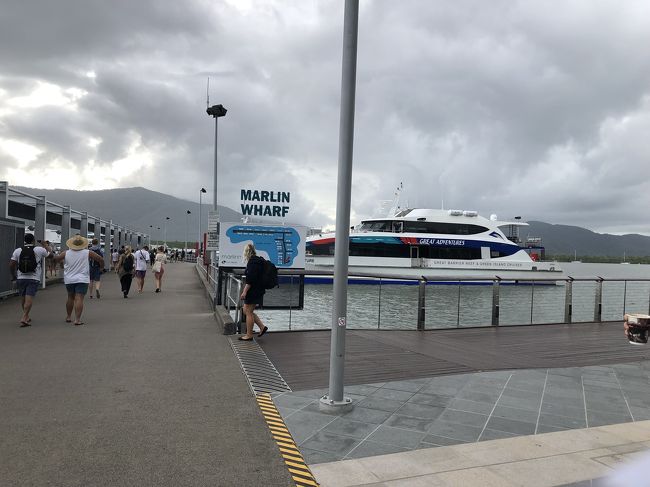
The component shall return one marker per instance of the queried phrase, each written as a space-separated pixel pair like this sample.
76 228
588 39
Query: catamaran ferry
438 244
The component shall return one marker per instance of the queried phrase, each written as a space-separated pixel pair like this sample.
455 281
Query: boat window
375 226
443 228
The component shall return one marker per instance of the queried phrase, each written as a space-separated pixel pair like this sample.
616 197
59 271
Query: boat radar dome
493 217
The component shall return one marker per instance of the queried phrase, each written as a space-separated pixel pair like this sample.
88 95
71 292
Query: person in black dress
253 292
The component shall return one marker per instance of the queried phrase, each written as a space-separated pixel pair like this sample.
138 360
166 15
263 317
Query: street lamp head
216 111
203 190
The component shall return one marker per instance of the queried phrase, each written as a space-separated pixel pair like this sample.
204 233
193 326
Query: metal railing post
598 304
624 295
495 301
532 300
458 307
422 287
568 300
379 310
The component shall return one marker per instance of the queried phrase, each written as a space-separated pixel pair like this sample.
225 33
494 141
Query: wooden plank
302 358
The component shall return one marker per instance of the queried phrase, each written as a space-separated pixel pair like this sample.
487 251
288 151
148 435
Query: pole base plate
327 405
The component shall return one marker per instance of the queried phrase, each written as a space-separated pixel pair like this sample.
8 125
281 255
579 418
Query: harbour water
451 305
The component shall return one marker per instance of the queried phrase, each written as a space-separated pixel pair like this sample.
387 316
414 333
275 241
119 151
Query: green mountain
141 209
567 240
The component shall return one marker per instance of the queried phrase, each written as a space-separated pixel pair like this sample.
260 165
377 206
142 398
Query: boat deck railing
227 286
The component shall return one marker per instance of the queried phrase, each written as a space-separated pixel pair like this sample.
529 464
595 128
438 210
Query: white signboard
282 245
213 230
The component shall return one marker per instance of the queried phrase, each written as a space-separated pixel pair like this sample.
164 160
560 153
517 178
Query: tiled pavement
424 413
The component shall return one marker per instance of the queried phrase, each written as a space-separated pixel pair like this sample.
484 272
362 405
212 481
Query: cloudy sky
508 107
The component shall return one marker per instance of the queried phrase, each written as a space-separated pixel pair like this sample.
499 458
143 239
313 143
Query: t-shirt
40 254
141 260
116 256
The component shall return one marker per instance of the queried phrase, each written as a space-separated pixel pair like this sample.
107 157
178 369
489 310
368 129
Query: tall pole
187 224
213 254
335 401
215 111
200 241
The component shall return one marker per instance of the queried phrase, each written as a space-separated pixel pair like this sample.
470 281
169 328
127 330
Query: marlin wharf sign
265 203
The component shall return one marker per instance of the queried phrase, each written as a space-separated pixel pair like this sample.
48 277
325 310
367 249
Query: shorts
27 287
95 273
159 273
140 274
77 288
254 298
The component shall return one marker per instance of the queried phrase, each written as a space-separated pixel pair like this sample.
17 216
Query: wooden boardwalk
302 358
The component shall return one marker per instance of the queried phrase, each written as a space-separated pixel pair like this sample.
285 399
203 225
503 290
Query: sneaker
96 293
157 290
126 295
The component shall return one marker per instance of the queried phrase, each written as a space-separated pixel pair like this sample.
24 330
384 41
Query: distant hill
566 239
138 208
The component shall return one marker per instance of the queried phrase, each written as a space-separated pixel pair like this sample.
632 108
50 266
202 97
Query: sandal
244 339
78 324
23 324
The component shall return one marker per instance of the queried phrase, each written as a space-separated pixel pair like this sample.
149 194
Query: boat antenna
207 94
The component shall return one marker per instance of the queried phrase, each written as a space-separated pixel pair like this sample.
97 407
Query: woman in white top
76 274
159 267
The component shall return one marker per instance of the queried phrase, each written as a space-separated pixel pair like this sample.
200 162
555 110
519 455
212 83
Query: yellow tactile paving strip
296 465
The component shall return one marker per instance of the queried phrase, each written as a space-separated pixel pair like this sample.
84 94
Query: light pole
165 231
187 224
200 209
215 111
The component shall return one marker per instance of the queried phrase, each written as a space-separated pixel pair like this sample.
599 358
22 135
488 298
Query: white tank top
75 267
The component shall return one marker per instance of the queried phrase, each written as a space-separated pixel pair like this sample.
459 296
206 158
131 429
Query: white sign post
213 231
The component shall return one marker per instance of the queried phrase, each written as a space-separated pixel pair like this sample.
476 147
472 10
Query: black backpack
128 263
269 275
27 261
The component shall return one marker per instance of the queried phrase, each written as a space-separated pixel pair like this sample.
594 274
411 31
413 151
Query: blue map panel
280 243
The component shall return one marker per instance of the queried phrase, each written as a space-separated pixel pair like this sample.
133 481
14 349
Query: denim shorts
140 274
27 287
77 288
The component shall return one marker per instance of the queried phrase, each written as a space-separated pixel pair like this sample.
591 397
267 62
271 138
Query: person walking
115 256
76 275
125 268
95 270
141 261
26 268
253 293
159 267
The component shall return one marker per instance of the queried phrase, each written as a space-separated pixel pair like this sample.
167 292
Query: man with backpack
26 267
95 270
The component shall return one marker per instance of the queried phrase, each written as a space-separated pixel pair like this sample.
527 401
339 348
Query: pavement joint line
493 408
623 393
293 459
541 402
584 399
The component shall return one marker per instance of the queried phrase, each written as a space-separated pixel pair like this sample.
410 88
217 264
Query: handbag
157 266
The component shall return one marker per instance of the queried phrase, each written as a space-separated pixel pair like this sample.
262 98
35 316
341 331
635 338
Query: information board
282 245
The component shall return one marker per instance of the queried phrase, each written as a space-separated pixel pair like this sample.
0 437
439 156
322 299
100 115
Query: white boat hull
440 269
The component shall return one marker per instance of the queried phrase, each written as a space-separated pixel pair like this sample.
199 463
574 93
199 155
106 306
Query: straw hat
77 243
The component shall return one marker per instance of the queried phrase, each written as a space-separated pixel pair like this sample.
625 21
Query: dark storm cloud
506 107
